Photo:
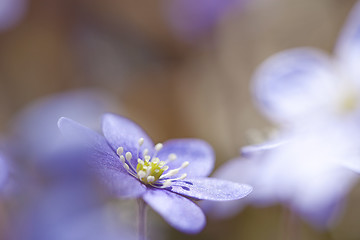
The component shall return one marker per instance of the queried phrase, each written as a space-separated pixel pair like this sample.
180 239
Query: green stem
141 219
291 225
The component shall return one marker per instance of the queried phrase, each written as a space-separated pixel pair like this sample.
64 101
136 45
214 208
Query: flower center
347 98
349 103
151 170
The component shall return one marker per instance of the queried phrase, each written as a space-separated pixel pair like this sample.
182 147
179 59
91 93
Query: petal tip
61 123
247 189
242 190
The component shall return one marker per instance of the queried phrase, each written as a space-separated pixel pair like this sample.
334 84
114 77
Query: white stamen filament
171 158
184 165
126 166
170 173
122 159
166 184
158 147
182 177
141 141
174 171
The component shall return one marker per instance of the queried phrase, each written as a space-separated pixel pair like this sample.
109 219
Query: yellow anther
150 169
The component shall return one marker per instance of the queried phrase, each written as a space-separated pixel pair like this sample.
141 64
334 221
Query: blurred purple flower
11 12
4 172
191 20
131 166
34 130
310 166
8 171
64 212
298 86
305 173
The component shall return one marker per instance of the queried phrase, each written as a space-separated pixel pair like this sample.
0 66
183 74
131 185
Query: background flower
34 136
192 20
315 102
5 172
305 174
11 12
302 85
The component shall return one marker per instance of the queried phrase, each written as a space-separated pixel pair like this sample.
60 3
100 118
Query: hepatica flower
34 127
11 13
4 172
36 136
315 101
298 86
192 20
304 173
304 86
166 176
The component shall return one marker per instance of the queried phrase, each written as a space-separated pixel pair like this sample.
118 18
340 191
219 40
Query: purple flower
35 136
315 100
165 175
4 172
11 13
77 215
299 86
8 171
305 173
191 20
304 86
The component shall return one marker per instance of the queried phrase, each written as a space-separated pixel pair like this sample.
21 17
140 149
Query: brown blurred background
173 85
